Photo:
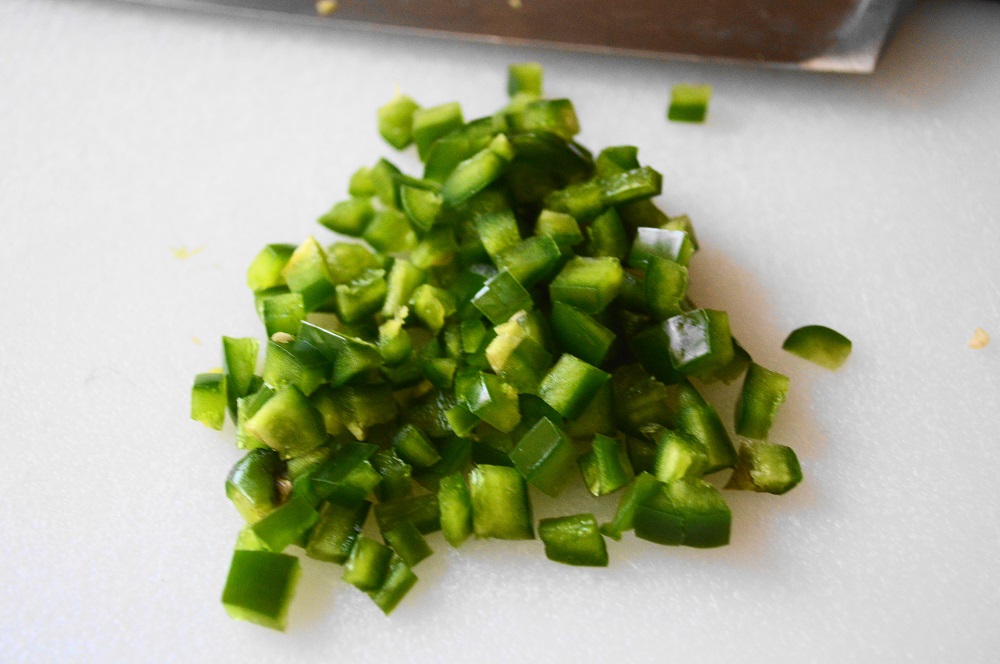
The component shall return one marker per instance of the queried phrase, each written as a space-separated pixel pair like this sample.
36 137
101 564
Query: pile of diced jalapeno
516 317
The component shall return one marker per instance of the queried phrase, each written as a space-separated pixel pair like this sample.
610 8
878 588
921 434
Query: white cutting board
868 204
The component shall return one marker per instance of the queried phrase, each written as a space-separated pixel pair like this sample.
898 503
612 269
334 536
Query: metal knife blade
822 35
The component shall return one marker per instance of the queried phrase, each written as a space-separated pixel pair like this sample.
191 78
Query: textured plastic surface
869 205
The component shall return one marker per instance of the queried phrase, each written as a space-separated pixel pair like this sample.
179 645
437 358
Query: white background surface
869 204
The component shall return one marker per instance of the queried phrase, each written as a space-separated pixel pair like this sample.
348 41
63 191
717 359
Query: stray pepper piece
767 468
260 586
574 540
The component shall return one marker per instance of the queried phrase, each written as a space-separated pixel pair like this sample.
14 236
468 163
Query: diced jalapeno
209 399
574 540
762 394
766 467
260 586
820 345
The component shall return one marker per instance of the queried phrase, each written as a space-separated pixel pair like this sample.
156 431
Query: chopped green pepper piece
616 159
461 420
700 342
285 524
396 475
640 399
570 385
670 245
605 467
288 423
682 222
502 297
524 78
635 184
239 357
412 446
703 423
395 121
574 540
762 394
260 586
492 401
408 543
820 345
265 270
350 358
606 236
430 124
384 174
560 227
421 511
554 115
579 334
308 273
246 408
295 363
394 342
390 233
432 305
422 206
362 297
545 456
497 231
766 467
666 287
679 455
403 279
252 484
347 477
638 491
456 509
337 530
366 567
500 505
361 184
590 284
689 103
283 313
209 399
350 217
689 512
398 581
478 171
531 260
347 261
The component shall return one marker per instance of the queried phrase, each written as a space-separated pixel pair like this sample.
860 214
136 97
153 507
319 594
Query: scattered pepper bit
689 103
326 7
183 253
980 339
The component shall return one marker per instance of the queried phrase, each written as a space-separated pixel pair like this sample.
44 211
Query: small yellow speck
282 338
514 4
980 339
216 370
196 340
183 253
326 7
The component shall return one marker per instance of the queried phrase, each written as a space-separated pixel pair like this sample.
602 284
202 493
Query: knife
819 35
